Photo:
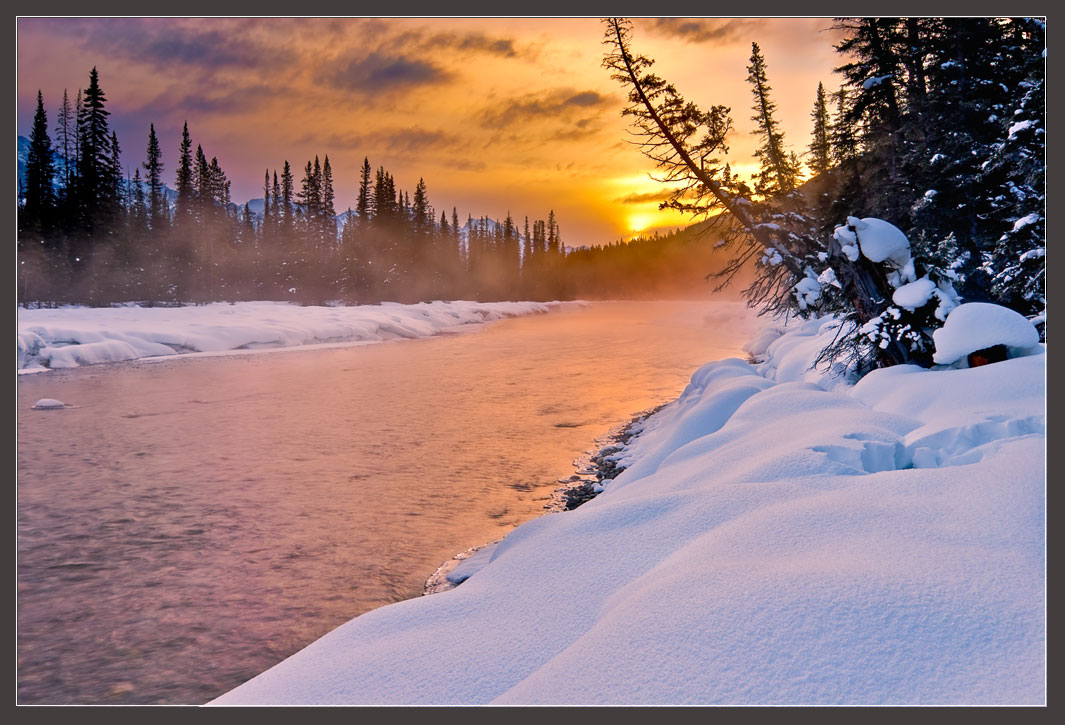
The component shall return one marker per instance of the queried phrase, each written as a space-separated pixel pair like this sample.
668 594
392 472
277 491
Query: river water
187 524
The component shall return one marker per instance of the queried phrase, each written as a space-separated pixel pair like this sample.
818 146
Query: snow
778 537
49 404
880 240
915 294
72 336
829 277
874 81
1018 127
977 325
1026 221
807 292
772 258
848 243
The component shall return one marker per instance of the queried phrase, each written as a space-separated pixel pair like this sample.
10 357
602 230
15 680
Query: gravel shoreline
593 471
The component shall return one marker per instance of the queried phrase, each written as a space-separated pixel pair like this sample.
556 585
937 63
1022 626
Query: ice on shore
72 336
779 537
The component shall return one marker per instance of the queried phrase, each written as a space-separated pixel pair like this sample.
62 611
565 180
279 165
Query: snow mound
49 404
978 325
72 336
880 240
770 542
915 294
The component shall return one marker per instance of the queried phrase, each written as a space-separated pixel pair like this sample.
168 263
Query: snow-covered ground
777 538
72 336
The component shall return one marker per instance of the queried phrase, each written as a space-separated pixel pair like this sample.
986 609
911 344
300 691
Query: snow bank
72 336
978 325
771 542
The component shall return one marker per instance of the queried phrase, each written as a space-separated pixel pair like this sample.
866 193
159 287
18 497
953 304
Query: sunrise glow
497 115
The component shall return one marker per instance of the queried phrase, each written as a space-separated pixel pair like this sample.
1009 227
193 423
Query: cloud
165 43
656 196
407 141
470 42
379 72
549 104
703 30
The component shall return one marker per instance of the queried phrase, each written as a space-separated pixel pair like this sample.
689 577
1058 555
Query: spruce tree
421 212
183 184
268 217
328 211
201 185
364 203
36 213
778 175
67 135
821 142
153 168
286 199
95 178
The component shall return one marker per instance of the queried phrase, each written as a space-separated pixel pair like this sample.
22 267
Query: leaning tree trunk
865 286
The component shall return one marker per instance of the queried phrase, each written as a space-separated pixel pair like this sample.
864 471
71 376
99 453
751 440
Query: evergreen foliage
939 131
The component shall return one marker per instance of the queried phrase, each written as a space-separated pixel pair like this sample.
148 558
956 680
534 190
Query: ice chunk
978 325
49 404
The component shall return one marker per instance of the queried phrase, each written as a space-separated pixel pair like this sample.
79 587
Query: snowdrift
777 538
72 336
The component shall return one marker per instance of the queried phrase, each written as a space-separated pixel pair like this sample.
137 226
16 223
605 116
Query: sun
639 222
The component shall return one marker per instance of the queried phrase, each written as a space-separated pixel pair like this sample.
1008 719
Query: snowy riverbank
72 336
776 537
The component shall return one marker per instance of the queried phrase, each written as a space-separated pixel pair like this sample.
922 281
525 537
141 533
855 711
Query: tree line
91 233
937 128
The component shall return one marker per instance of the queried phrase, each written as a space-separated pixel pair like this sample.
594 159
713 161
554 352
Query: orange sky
496 114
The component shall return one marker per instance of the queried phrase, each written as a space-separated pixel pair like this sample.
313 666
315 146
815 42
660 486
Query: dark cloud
470 42
550 104
462 42
702 30
379 72
234 100
399 141
657 196
164 43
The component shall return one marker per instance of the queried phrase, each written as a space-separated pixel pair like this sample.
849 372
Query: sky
497 115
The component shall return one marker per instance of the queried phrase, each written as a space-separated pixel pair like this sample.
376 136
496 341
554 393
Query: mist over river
186 524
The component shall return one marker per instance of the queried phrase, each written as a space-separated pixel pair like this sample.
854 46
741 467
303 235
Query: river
186 524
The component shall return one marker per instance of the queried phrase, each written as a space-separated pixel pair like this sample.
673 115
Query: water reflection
193 522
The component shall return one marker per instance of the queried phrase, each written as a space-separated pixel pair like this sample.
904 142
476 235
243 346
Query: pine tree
527 250
286 200
329 224
778 174
153 168
95 182
364 203
844 139
201 185
310 198
67 133
138 213
114 173
36 214
277 213
421 212
267 228
821 143
183 184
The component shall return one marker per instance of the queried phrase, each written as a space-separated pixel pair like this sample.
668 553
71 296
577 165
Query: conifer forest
937 125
